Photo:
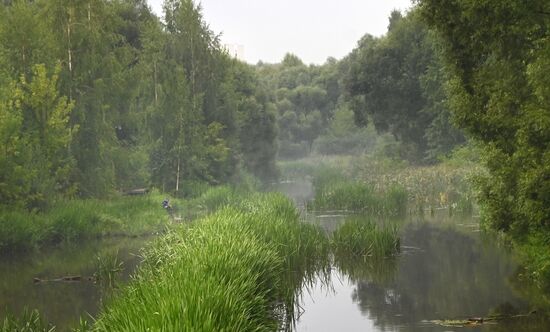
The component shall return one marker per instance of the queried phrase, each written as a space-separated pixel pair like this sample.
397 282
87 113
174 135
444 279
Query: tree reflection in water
448 274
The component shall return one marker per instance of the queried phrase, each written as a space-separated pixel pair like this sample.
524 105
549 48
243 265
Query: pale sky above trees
311 29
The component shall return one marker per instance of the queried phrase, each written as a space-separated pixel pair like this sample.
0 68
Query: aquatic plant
364 238
108 269
440 186
230 271
360 197
29 321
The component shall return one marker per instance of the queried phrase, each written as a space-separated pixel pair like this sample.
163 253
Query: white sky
311 29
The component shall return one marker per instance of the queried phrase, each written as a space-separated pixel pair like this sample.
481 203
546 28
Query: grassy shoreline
72 220
234 270
241 266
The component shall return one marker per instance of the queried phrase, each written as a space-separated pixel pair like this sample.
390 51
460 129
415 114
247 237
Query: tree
497 53
394 82
36 134
14 177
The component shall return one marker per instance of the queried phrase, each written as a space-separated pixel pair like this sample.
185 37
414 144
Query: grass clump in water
359 197
359 237
228 272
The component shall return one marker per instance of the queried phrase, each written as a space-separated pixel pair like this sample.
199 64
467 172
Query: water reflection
61 303
445 271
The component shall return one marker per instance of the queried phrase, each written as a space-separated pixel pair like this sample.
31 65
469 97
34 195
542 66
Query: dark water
447 270
62 303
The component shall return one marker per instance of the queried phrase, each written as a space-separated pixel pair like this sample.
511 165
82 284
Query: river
63 302
447 270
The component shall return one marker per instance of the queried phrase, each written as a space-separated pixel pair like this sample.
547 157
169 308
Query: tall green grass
448 185
364 238
228 272
359 197
30 321
77 219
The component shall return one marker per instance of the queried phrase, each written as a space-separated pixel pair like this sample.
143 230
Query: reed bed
360 197
360 237
446 185
231 271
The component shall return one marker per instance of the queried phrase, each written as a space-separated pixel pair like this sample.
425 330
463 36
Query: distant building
235 50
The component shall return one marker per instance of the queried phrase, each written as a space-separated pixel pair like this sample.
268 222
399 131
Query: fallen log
64 279
137 192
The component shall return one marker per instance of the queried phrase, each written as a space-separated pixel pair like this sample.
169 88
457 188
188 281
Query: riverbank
447 186
72 220
444 186
235 270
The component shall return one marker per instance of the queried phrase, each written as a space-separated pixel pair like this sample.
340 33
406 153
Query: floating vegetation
478 321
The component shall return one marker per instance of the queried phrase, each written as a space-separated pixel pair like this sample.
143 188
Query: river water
447 270
61 302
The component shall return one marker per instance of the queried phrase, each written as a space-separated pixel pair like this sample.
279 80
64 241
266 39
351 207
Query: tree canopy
498 53
99 96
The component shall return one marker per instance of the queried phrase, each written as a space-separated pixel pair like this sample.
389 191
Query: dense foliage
397 82
304 99
98 96
499 55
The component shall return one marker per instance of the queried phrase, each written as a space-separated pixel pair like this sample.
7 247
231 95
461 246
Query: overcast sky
311 29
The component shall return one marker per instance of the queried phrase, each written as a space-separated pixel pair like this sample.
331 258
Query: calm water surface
62 303
447 270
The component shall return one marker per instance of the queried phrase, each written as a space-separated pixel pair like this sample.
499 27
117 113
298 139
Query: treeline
398 82
100 96
479 66
497 54
395 83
